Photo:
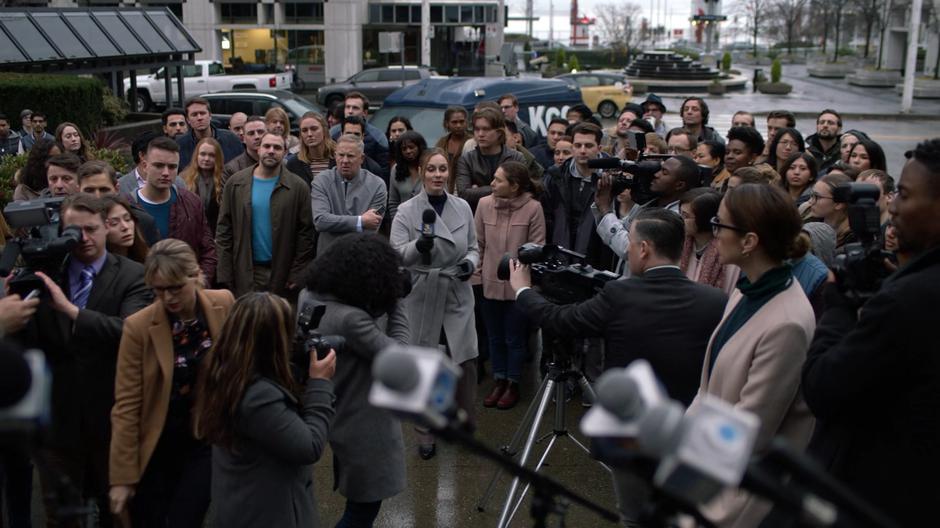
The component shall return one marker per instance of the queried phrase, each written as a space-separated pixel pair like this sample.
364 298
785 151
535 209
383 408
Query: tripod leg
533 430
538 466
513 447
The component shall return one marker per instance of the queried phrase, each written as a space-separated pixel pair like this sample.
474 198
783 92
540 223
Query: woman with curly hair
266 429
70 139
203 177
359 283
406 182
31 179
316 148
124 235
440 305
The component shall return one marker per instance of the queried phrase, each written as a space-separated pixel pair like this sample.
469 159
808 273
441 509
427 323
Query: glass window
30 39
390 75
119 32
146 31
61 35
233 12
8 52
170 30
491 14
415 14
452 14
216 69
411 75
588 80
86 27
367 76
478 16
388 13
437 14
402 14
466 14
192 70
175 7
375 13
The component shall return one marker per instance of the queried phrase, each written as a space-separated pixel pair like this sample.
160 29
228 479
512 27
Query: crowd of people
169 328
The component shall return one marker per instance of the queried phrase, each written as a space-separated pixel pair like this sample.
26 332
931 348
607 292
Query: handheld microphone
428 217
624 396
416 383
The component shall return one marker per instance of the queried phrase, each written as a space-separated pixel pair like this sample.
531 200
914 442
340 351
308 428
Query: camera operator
266 429
79 327
872 375
358 281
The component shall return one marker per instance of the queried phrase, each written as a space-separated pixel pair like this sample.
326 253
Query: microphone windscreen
396 370
619 394
428 216
604 163
15 375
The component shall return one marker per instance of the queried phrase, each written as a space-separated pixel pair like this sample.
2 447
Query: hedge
60 97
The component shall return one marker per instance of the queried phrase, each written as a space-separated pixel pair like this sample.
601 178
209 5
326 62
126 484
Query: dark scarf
711 272
756 295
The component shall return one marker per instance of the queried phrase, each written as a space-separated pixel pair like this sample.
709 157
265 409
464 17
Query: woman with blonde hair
316 148
70 139
278 122
203 177
158 469
266 429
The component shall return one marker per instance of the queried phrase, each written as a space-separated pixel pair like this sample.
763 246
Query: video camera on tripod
43 248
860 269
561 275
637 175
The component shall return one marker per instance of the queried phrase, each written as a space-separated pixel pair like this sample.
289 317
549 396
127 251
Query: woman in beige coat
505 220
756 353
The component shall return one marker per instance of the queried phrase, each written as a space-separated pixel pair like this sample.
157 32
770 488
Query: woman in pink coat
505 220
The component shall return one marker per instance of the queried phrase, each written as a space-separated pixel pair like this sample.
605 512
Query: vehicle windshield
427 121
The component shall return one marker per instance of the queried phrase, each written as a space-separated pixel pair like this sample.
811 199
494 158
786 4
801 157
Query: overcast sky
675 13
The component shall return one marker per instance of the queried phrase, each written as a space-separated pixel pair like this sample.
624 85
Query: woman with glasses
159 471
786 142
825 208
699 260
757 351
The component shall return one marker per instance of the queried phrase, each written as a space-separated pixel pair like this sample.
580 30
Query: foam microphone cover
428 216
15 375
396 370
619 395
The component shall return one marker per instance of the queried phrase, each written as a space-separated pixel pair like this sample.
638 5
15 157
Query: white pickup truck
204 76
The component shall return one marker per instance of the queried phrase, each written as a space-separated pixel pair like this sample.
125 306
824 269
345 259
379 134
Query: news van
424 103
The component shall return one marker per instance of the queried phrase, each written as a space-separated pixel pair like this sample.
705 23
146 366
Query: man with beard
266 245
824 144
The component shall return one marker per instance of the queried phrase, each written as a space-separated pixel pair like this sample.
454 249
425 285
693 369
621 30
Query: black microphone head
604 163
15 375
428 216
619 395
397 370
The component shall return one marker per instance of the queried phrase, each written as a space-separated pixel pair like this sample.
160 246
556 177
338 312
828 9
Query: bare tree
870 12
757 12
791 12
837 7
619 26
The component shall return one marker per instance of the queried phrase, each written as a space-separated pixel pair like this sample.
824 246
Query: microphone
416 383
25 390
624 395
428 217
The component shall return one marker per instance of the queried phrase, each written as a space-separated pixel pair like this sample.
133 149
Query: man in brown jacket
252 132
265 231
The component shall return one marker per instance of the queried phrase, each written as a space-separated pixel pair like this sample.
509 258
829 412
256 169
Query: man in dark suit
78 325
657 314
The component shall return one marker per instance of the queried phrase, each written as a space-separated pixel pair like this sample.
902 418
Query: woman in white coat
440 306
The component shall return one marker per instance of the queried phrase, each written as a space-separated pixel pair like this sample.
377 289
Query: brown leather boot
498 389
510 397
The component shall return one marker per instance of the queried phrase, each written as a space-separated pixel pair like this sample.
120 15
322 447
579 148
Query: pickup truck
203 77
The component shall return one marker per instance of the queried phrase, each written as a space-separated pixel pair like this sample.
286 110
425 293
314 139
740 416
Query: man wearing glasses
824 144
681 142
78 326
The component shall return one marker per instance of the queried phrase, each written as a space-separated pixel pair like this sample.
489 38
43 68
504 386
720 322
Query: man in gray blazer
346 198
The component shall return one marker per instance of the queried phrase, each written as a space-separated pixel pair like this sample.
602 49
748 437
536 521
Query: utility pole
425 33
907 98
528 16
551 23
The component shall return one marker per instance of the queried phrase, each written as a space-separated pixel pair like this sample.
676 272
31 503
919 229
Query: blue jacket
232 147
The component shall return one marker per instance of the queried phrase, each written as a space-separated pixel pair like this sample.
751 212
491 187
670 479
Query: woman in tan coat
505 220
755 355
155 460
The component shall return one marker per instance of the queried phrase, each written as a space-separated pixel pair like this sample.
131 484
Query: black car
374 83
224 104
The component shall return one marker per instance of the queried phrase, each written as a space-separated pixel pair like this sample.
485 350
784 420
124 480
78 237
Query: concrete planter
717 89
923 89
874 78
829 71
780 88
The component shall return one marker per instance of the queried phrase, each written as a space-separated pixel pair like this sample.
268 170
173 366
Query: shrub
776 71
8 167
574 63
60 97
560 58
114 109
726 62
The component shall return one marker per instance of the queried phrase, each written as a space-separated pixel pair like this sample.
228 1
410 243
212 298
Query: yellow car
605 93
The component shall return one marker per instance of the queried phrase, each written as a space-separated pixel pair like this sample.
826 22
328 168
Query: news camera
860 269
637 175
41 245
307 338
561 275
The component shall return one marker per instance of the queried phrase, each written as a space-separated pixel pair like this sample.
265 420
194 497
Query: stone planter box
717 89
829 71
780 88
874 78
923 89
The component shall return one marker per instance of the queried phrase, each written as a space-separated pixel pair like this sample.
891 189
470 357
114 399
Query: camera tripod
559 372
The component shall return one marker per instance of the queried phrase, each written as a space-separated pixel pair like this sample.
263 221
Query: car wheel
142 101
607 109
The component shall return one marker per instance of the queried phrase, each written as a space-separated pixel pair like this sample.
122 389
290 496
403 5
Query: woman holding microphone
440 306
505 220
155 458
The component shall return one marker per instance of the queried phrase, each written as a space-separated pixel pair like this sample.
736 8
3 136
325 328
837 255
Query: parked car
605 93
424 103
203 77
374 83
224 104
